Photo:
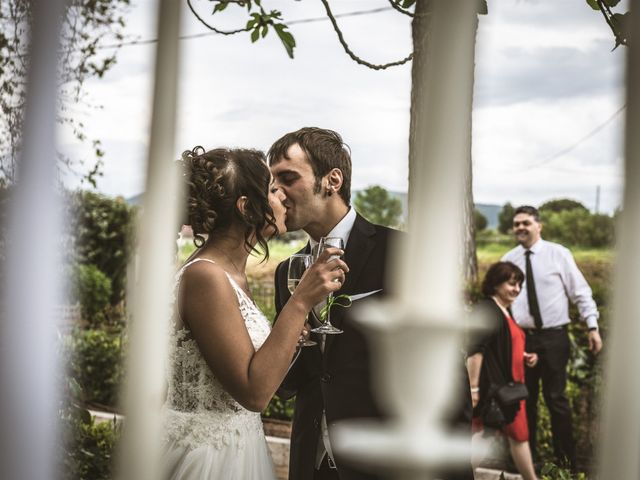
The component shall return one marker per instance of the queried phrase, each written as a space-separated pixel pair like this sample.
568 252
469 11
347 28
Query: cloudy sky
547 91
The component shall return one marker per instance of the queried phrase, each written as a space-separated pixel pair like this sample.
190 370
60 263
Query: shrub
92 289
101 230
279 409
96 361
87 447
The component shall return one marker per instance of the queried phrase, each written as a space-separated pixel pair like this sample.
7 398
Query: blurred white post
31 277
140 452
416 334
620 437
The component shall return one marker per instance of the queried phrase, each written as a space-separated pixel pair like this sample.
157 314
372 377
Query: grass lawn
256 267
492 252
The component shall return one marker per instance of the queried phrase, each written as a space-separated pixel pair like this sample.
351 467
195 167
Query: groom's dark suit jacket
339 380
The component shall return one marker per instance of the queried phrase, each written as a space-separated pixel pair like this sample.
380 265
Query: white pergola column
620 437
416 334
31 278
140 449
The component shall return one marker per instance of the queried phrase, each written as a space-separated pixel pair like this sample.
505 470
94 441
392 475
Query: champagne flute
298 263
326 327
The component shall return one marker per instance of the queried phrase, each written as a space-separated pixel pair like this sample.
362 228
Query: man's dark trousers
552 346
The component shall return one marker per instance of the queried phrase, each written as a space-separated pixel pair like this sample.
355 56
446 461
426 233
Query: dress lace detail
198 409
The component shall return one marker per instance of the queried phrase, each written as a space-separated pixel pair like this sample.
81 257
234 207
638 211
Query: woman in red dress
497 356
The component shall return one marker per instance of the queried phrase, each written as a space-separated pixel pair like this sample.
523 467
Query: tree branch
352 55
221 32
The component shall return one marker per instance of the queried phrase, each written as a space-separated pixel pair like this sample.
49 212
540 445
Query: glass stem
328 322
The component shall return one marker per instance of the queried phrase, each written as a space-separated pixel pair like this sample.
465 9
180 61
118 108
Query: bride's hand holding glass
326 275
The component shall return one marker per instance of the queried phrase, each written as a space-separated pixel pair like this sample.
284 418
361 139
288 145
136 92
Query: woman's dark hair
499 273
214 182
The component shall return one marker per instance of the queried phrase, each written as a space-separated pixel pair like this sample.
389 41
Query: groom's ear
334 180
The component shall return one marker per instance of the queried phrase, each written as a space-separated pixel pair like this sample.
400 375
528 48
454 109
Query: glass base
327 330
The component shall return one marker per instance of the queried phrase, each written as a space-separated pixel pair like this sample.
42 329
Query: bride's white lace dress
208 434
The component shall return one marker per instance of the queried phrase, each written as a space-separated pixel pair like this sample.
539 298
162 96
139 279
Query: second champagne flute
326 327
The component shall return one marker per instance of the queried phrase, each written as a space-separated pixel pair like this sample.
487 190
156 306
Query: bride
225 362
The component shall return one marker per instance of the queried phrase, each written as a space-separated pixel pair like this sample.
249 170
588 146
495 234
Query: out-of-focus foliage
87 25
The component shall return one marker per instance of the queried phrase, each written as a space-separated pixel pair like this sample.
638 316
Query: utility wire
571 147
207 34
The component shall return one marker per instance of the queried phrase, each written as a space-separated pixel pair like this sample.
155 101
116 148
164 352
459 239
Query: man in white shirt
552 279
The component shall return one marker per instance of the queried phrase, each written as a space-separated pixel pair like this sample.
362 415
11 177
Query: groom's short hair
325 151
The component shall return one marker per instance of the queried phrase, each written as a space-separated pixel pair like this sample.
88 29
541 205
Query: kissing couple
226 362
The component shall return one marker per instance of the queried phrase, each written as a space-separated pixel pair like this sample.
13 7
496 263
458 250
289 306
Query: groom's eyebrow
287 175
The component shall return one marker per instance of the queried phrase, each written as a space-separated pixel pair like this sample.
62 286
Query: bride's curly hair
215 179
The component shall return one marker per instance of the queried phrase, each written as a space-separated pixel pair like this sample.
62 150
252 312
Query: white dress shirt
342 230
557 281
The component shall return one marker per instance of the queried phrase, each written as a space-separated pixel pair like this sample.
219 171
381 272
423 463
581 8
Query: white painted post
416 334
620 438
140 451
31 277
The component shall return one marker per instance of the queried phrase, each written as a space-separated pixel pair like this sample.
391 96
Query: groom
332 380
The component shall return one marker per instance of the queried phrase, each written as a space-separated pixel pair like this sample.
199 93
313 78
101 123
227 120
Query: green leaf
220 7
593 4
611 3
622 26
483 8
255 35
265 30
286 38
407 3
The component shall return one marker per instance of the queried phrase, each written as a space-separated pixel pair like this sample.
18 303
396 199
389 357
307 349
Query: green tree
561 204
505 218
579 228
479 220
87 25
378 206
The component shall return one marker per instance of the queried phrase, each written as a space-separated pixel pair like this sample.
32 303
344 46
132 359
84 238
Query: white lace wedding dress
208 434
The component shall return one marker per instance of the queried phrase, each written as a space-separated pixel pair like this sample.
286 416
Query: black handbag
492 416
502 404
511 393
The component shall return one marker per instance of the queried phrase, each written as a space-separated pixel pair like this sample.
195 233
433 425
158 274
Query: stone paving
280 452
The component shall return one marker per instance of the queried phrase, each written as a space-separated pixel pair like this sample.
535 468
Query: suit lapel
359 247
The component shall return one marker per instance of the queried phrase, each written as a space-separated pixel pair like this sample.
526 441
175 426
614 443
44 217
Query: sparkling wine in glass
298 263
326 327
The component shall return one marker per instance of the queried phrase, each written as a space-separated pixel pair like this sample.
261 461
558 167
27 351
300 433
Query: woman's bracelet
475 389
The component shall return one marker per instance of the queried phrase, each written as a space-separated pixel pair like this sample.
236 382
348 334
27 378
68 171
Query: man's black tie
534 307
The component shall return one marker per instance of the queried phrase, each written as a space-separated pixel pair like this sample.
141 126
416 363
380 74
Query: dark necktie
534 307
